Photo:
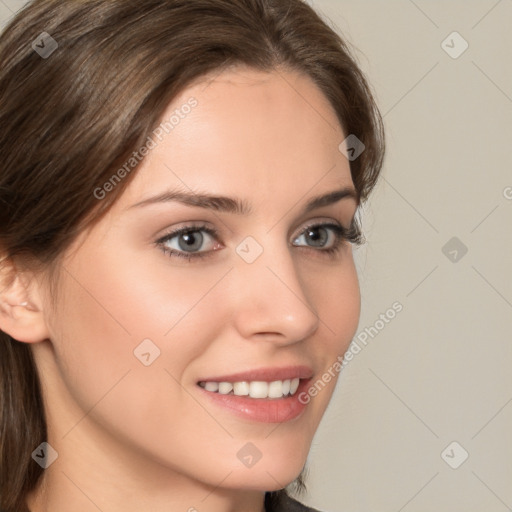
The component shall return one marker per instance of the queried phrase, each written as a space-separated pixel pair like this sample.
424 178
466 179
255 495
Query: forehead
248 132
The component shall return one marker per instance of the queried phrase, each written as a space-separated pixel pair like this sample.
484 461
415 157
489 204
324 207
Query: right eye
189 242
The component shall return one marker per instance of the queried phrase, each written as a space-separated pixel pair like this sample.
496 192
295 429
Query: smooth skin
132 437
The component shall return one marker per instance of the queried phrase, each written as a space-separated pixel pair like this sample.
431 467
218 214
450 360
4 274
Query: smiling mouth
254 389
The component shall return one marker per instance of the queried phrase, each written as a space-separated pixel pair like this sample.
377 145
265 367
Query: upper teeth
254 389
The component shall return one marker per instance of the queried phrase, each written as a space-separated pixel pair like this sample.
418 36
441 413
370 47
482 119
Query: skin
131 437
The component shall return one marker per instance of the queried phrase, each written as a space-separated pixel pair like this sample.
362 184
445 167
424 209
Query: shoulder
285 503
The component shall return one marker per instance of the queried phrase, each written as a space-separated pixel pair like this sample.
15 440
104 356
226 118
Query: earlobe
21 311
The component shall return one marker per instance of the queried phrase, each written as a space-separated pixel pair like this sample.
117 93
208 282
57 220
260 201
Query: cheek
120 301
110 308
151 298
338 302
337 298
91 344
103 315
346 305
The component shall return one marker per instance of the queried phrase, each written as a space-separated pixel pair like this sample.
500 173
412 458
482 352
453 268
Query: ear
21 307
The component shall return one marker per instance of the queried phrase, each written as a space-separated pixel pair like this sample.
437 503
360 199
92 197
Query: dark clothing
283 503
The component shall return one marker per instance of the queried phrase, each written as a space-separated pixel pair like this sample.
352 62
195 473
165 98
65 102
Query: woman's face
145 317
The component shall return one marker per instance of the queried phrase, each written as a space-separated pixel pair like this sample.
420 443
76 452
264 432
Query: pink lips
263 410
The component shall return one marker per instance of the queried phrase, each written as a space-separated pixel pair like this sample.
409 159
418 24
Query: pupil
318 236
191 241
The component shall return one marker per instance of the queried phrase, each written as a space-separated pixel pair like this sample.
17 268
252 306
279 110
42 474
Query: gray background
440 371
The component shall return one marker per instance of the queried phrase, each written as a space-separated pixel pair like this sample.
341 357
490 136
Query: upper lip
264 374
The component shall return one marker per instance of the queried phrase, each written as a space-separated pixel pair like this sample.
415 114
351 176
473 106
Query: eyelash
352 235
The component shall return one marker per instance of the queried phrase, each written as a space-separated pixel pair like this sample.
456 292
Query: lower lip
275 410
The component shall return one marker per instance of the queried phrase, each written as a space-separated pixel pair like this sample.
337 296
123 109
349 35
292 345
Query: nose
270 301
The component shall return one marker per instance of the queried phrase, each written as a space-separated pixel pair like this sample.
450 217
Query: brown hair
71 119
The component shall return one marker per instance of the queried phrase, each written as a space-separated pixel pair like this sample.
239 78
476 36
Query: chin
271 472
264 480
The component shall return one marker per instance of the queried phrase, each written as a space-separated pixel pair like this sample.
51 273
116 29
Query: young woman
179 192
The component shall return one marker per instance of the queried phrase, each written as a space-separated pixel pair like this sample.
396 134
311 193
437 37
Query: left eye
325 236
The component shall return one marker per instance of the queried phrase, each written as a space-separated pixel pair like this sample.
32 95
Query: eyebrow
238 206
